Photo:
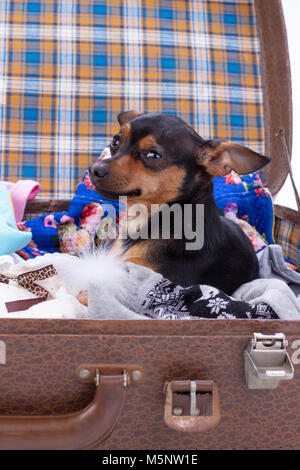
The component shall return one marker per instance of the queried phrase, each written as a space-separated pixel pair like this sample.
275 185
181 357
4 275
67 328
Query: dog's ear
220 158
127 116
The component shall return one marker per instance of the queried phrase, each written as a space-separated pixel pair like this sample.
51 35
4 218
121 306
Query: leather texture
42 357
82 429
206 411
277 94
38 377
286 213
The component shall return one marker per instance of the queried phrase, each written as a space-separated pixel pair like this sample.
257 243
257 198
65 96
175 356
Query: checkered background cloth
68 67
287 235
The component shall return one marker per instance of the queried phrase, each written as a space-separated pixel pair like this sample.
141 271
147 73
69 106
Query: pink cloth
21 192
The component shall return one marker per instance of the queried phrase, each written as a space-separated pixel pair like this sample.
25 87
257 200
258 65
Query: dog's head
158 158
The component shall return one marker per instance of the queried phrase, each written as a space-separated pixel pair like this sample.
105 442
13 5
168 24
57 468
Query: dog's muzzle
98 171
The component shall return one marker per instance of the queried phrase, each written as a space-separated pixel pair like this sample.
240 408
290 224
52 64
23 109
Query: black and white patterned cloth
169 301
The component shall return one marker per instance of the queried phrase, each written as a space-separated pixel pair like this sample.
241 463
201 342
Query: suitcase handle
80 430
192 405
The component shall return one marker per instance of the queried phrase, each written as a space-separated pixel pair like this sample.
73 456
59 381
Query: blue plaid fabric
68 67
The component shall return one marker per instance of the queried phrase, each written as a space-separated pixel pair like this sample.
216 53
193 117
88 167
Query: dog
159 159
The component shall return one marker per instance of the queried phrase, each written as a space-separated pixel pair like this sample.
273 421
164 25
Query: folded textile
28 280
139 292
30 251
91 219
272 264
170 302
124 290
119 290
21 192
258 242
125 300
61 303
6 261
252 200
274 292
11 239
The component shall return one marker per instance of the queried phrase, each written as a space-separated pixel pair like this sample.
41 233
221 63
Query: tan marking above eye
147 142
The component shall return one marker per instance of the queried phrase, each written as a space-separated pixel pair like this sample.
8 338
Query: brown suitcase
143 366
161 384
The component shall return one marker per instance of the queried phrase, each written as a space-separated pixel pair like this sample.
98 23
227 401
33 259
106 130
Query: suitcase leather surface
42 357
39 358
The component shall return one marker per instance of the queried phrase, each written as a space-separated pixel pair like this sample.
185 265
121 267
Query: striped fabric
68 67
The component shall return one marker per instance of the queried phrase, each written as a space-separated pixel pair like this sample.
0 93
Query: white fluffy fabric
117 290
62 303
99 265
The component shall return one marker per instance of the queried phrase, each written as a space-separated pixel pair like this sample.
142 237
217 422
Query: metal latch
91 373
267 361
191 405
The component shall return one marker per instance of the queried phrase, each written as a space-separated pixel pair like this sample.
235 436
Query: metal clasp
2 352
191 405
267 361
91 373
194 411
97 378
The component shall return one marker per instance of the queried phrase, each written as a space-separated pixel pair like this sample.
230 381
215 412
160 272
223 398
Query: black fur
227 258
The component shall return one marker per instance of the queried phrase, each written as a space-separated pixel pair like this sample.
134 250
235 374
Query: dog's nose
98 170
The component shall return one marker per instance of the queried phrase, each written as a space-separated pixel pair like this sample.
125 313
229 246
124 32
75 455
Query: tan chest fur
135 254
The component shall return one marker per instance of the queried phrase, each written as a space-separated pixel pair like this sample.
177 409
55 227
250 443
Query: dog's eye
116 141
153 154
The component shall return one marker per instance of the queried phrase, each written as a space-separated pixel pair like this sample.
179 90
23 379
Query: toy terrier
158 159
